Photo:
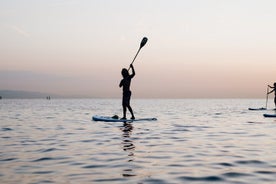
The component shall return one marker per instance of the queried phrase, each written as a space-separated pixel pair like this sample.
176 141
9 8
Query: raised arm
271 91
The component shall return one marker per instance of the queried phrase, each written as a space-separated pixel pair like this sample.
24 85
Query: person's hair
124 72
274 83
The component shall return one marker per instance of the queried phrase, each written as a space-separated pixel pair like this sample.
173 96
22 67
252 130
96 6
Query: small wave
151 180
8 159
48 150
205 178
266 172
107 180
93 166
159 157
176 165
50 117
76 163
226 164
218 113
246 162
48 159
236 174
43 172
45 181
48 140
89 140
6 137
43 159
7 129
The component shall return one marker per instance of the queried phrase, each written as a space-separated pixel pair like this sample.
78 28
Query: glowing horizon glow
196 49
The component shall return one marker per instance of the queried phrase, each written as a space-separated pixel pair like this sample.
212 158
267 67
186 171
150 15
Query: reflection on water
128 146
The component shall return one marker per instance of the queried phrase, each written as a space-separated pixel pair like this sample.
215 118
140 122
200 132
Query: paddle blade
143 42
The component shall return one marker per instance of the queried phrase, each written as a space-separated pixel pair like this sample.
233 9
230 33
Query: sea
193 141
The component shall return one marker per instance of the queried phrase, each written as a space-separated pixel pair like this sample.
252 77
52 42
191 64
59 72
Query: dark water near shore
193 141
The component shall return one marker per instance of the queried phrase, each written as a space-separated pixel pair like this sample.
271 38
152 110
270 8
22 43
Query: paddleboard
257 109
110 119
270 115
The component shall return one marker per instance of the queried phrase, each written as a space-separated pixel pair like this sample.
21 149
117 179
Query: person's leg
124 107
131 111
128 105
124 112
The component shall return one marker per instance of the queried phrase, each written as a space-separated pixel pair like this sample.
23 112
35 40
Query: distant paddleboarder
273 89
125 83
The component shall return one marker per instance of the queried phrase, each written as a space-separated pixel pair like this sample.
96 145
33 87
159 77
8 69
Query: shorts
126 98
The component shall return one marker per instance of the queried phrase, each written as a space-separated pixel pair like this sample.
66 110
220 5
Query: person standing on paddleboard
125 83
274 89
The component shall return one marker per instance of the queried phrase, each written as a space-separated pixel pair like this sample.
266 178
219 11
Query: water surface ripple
193 141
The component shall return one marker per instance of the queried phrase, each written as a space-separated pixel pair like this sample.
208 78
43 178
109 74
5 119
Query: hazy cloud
20 31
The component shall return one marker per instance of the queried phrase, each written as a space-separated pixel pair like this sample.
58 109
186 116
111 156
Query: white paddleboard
270 115
257 109
110 119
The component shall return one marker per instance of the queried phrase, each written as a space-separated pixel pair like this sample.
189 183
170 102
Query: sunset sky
196 49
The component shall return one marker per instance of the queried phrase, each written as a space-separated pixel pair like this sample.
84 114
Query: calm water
193 141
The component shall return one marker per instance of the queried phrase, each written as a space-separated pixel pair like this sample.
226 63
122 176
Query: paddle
267 90
142 44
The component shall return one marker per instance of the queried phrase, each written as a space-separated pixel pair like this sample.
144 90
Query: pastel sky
196 48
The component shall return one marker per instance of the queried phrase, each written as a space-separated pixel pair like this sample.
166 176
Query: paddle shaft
135 57
267 90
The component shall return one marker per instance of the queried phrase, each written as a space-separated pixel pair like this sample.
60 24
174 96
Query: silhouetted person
125 83
273 89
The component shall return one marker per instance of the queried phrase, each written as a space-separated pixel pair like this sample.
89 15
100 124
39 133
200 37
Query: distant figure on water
125 83
273 89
